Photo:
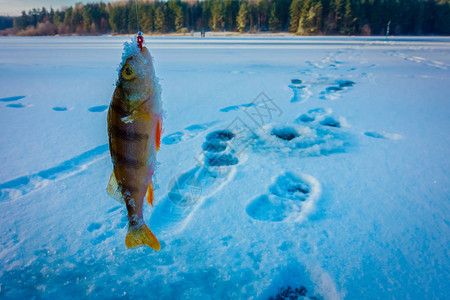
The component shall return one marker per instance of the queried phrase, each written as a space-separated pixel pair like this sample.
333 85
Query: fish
134 134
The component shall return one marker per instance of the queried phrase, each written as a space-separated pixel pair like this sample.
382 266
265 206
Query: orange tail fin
141 236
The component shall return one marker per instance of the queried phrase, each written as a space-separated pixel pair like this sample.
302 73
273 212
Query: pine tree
263 7
443 17
274 22
294 15
347 27
146 17
216 22
132 21
231 9
304 23
252 15
57 18
114 16
87 18
315 17
339 15
179 19
376 17
77 19
51 15
160 19
68 20
22 21
242 18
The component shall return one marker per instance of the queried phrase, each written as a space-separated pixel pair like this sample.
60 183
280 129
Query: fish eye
128 72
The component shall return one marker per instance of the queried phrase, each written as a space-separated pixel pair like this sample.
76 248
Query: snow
317 162
130 48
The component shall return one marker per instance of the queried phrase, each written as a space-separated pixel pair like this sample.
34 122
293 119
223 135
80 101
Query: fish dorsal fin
114 190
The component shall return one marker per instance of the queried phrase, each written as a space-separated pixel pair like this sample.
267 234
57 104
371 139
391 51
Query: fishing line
137 16
140 35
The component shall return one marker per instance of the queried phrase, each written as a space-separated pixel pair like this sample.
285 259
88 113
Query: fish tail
140 236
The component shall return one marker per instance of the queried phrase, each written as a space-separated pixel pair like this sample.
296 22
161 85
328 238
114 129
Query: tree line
302 17
5 22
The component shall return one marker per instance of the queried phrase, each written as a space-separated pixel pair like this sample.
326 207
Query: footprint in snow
323 117
334 91
9 99
188 133
331 122
16 105
100 108
335 64
18 187
102 237
114 222
94 226
230 108
288 293
285 133
291 198
114 209
237 107
60 108
383 135
312 114
300 91
190 189
315 133
215 144
173 138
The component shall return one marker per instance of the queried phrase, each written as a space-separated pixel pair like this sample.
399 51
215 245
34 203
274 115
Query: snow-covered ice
314 166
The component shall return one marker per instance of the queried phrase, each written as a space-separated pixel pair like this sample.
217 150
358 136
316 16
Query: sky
15 7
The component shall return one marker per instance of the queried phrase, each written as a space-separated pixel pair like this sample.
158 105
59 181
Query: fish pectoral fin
141 236
150 194
113 189
136 114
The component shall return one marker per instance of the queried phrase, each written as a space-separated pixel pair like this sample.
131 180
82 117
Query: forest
302 17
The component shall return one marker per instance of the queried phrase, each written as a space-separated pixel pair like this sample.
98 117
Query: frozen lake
318 163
